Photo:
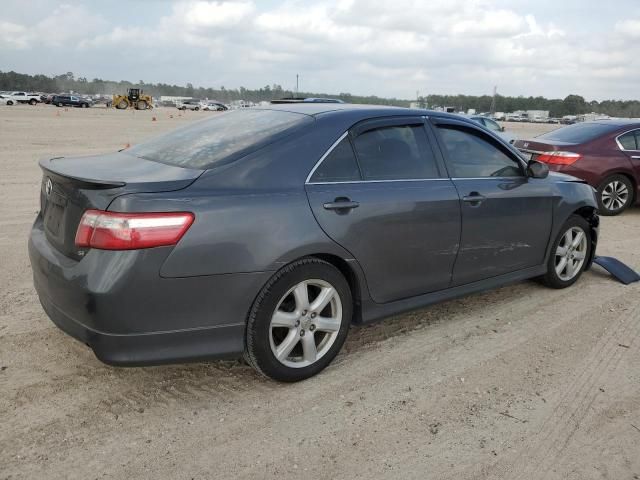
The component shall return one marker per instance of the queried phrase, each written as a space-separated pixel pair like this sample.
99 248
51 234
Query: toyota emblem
48 186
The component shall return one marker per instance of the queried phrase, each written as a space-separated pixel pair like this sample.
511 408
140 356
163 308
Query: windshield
579 133
219 139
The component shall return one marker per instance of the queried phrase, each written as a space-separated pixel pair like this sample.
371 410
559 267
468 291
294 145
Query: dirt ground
522 382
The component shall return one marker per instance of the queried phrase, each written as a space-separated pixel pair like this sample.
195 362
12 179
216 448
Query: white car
6 100
192 105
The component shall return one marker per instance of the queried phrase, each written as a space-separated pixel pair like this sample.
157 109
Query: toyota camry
269 232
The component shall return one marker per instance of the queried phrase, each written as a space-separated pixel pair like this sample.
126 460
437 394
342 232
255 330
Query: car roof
355 110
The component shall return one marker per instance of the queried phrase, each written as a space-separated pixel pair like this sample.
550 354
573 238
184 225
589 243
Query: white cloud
370 47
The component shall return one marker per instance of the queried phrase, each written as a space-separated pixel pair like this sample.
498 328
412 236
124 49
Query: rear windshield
580 132
219 139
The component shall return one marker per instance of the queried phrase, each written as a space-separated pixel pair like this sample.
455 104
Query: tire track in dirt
556 432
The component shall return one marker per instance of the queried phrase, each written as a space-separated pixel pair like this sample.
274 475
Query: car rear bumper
118 304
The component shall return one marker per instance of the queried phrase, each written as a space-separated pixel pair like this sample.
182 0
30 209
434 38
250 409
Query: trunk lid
72 185
531 149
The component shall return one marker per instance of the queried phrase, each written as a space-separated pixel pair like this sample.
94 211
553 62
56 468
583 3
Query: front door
382 194
506 216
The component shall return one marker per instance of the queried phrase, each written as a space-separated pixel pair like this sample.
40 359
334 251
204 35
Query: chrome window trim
326 154
624 133
488 178
439 179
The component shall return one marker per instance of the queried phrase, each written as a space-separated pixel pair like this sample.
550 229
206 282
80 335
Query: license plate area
54 213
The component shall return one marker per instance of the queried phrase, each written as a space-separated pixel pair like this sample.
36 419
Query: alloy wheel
615 195
306 323
571 253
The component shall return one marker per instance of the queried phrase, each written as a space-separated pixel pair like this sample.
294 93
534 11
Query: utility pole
296 95
492 110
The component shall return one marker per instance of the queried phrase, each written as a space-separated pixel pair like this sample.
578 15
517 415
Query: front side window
339 166
630 140
471 155
396 153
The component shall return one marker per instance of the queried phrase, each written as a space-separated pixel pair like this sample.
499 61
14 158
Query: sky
391 48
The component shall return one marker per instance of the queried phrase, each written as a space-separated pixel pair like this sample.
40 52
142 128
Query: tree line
571 105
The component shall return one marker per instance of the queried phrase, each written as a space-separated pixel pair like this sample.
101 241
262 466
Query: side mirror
536 169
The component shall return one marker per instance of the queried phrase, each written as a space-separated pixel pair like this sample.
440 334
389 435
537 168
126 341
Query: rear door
382 194
506 216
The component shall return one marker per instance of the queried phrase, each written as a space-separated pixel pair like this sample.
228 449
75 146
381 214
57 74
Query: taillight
559 158
130 231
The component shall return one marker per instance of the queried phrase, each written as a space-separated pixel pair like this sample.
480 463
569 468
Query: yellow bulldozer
135 98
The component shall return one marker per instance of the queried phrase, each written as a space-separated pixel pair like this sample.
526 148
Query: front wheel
615 195
570 253
299 321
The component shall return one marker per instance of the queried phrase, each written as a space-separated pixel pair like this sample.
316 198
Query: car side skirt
372 311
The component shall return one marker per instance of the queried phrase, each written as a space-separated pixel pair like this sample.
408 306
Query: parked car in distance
243 233
604 153
6 100
215 107
191 105
494 127
23 97
71 101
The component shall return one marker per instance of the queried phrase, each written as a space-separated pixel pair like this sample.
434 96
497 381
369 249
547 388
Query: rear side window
220 139
630 140
471 155
339 166
396 153
579 133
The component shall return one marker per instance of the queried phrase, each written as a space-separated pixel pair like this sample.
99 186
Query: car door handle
636 157
341 203
474 199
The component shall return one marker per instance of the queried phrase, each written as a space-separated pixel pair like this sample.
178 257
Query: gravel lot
517 383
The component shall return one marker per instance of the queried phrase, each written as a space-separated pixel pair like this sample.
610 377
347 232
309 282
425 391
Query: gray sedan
268 232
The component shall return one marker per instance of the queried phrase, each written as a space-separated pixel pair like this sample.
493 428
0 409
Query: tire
574 258
141 105
33 101
615 195
197 108
85 105
306 346
9 102
122 105
60 104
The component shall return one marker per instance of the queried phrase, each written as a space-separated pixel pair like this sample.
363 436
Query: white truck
22 97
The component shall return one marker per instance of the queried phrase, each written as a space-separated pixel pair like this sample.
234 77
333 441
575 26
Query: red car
605 153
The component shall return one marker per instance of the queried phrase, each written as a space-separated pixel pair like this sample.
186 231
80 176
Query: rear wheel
615 195
299 321
60 104
197 108
85 105
33 101
141 105
570 253
9 102
122 104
